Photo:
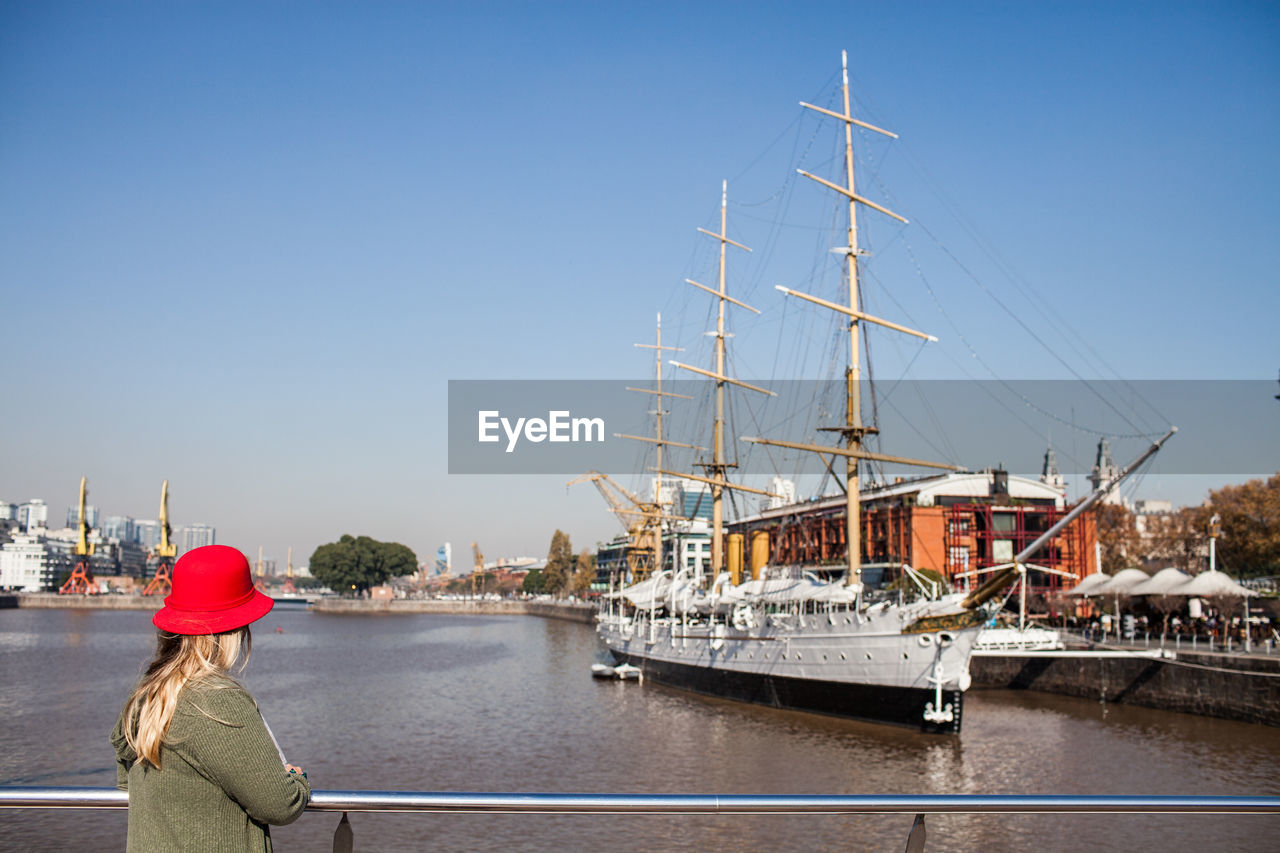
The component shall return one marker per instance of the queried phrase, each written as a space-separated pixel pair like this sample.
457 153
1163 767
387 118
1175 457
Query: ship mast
853 431
718 468
658 412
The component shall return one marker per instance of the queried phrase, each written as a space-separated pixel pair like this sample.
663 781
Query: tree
1250 515
1166 606
355 563
533 582
1179 537
1119 537
584 574
556 575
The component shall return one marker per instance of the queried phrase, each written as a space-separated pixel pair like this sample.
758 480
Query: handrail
689 804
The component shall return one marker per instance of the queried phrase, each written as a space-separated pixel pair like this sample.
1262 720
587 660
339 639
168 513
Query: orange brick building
952 523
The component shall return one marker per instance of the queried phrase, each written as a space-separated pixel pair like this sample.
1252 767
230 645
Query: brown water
443 703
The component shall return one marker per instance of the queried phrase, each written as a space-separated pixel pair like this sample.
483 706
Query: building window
959 557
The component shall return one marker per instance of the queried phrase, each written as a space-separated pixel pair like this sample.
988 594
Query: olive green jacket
220 782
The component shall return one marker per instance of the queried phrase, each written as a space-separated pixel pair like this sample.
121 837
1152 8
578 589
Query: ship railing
1198 641
919 805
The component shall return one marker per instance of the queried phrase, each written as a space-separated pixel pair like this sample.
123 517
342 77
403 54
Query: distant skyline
245 246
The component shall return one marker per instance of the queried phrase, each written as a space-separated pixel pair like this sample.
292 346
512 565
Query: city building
33 515
951 523
783 494
90 514
146 533
687 498
24 565
130 558
195 536
1105 470
119 528
685 545
60 553
1049 474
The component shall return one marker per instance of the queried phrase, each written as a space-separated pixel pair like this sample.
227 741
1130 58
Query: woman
201 767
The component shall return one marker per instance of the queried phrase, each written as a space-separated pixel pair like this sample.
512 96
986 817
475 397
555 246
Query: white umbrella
1162 582
1212 583
1122 582
1090 585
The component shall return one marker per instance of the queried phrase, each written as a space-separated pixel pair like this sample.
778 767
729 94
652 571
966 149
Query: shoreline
570 611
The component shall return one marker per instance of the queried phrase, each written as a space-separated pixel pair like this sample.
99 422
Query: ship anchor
945 715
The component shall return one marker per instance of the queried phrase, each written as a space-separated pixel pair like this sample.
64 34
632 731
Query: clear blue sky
244 246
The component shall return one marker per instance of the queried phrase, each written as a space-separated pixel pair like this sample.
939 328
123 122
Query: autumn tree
1250 514
560 564
1119 537
1179 538
584 573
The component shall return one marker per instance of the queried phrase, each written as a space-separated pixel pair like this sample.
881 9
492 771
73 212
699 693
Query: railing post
343 837
915 840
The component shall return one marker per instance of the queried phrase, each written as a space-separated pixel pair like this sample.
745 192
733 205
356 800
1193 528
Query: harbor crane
642 521
81 580
161 582
289 588
477 573
261 583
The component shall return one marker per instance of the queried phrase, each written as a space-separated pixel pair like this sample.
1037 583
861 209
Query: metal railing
690 804
685 804
1195 642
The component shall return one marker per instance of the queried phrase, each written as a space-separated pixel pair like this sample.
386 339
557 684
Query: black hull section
902 706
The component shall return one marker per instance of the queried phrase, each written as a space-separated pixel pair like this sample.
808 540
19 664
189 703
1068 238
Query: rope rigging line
1047 312
1003 382
1016 318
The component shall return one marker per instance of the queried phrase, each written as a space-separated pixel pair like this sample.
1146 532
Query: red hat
212 592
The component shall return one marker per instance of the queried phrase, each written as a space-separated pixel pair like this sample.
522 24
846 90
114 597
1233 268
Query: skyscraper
146 533
120 528
90 514
33 514
195 536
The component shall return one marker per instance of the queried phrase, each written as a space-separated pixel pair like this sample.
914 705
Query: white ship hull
881 665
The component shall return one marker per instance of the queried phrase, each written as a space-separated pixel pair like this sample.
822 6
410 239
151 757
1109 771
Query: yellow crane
288 574
642 520
161 582
261 583
81 580
477 574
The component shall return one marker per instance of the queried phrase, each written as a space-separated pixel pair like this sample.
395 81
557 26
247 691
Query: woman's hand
293 768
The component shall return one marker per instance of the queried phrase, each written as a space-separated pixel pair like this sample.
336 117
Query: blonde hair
181 659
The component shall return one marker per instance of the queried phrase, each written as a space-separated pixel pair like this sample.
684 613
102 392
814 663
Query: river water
472 703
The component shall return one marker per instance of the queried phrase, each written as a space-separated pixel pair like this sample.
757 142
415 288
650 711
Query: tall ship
780 635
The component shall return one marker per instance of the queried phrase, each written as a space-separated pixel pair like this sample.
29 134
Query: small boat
627 672
621 672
